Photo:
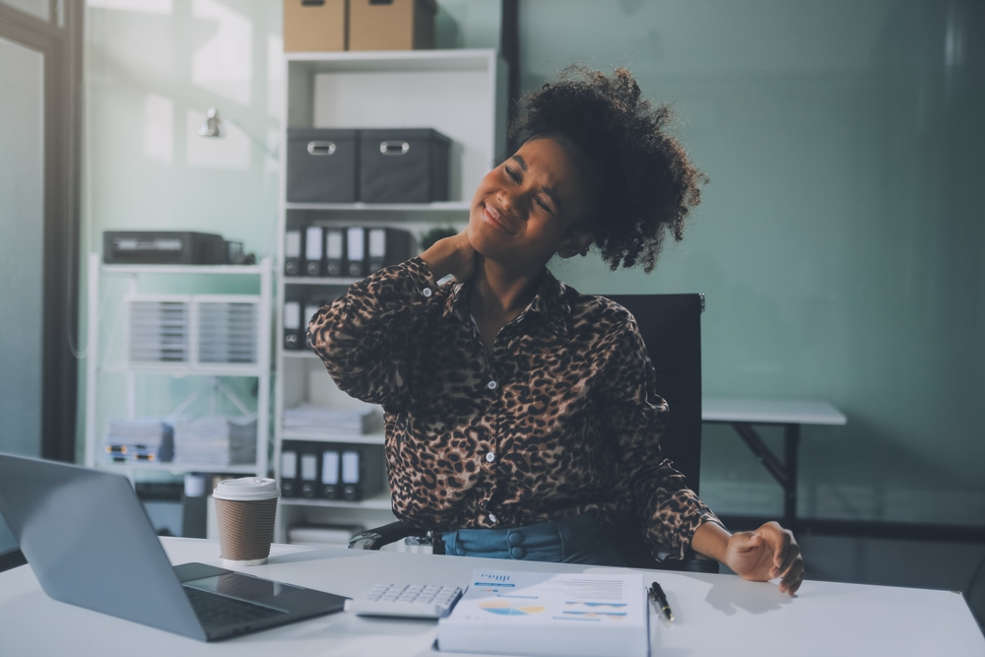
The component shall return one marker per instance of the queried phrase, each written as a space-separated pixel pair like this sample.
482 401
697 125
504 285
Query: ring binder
314 251
330 474
309 474
288 471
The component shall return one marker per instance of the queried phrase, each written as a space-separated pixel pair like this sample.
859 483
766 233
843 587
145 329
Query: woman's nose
511 204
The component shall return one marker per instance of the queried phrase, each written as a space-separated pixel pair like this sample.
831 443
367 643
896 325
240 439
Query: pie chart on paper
504 608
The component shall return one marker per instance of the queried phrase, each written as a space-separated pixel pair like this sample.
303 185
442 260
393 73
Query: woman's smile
497 220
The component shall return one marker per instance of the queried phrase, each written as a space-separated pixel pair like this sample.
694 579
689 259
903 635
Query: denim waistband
577 539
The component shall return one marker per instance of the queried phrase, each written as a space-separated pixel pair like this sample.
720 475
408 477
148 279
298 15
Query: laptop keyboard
218 611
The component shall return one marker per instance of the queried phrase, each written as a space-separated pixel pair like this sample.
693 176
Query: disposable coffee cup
245 509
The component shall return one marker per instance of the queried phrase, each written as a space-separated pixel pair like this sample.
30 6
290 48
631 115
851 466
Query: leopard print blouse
561 418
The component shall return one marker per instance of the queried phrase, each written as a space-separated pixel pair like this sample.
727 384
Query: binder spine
288 471
331 463
293 330
334 252
293 248
387 246
309 472
356 252
314 253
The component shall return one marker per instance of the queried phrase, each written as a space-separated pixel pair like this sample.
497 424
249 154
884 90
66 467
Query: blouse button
490 457
492 385
427 292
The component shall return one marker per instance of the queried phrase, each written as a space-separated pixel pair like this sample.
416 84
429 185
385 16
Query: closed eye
512 174
544 205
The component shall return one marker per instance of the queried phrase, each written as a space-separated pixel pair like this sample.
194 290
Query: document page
547 614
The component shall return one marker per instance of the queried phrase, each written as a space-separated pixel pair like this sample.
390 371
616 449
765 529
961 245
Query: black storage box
160 247
403 165
321 165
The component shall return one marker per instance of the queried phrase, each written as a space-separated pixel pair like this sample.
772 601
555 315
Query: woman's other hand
767 553
453 255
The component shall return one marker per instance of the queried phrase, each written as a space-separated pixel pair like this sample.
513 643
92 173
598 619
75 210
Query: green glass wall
840 241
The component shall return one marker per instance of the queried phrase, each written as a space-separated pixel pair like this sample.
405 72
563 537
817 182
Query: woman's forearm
711 539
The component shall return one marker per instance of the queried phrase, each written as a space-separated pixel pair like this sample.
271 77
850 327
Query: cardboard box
391 24
315 25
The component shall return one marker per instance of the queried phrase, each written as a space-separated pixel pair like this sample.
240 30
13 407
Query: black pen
657 595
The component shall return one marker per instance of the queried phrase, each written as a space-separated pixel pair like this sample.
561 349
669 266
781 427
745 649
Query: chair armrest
374 539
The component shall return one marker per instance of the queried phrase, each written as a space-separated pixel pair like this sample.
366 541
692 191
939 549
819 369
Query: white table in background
715 614
743 414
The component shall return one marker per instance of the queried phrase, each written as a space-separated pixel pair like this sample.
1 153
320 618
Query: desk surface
715 614
769 411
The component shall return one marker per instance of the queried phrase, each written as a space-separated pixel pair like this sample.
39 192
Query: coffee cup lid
246 489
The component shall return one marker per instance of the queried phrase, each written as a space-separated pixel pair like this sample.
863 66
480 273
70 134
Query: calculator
406 601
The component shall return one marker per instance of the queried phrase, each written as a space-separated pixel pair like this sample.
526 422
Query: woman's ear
576 242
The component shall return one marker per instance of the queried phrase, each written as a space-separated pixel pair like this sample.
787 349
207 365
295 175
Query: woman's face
532 206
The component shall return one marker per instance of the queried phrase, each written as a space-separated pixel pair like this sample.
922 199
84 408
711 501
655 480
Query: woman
521 416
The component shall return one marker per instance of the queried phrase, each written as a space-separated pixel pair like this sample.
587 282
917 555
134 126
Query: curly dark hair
646 185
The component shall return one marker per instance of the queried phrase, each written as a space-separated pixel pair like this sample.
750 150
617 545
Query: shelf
184 370
182 269
365 439
442 206
181 468
393 60
319 280
379 501
301 354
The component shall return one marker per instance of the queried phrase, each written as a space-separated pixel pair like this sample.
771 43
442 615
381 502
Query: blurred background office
840 243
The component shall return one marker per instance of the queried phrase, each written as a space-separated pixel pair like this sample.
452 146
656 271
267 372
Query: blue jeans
578 539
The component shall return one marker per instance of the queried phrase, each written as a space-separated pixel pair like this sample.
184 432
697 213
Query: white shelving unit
98 365
460 93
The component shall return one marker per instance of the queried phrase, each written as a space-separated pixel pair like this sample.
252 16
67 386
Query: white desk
715 614
742 414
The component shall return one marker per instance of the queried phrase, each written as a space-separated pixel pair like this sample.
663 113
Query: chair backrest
670 325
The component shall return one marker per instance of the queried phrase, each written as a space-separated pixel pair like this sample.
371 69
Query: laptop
90 544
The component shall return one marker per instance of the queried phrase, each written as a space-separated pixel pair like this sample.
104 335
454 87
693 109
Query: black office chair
670 325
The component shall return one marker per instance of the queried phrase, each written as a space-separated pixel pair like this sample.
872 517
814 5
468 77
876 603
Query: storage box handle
321 147
394 147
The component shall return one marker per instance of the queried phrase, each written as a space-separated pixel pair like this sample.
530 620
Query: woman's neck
499 295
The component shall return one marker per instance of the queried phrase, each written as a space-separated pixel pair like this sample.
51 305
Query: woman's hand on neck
453 255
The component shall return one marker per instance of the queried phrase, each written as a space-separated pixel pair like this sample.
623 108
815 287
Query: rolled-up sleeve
363 336
636 418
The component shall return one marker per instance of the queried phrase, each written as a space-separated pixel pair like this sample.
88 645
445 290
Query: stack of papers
548 614
146 439
215 441
319 421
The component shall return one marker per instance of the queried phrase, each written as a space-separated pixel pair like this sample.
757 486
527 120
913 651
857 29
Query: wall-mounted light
212 126
215 126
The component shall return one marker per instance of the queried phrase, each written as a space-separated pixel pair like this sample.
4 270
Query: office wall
840 241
